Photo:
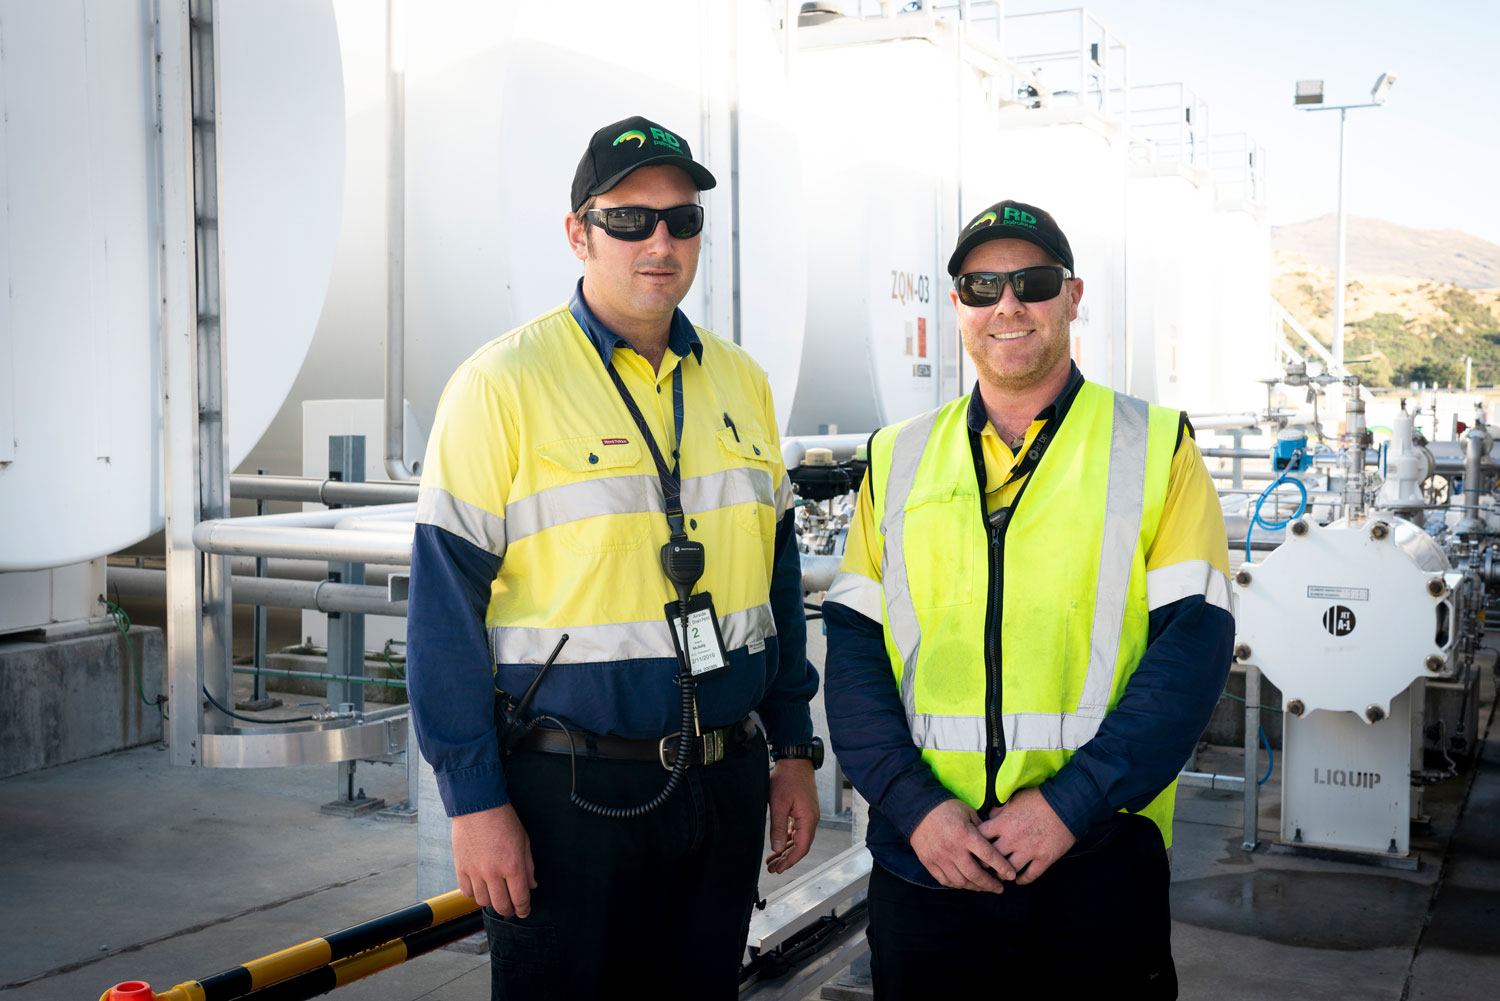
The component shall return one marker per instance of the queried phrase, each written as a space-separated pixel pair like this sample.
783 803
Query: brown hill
1379 249
1397 328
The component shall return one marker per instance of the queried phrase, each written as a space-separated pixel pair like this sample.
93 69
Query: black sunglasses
1034 284
636 222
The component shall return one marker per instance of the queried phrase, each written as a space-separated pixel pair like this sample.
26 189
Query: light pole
1309 97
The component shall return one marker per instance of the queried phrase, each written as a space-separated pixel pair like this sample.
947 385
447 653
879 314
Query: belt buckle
713 746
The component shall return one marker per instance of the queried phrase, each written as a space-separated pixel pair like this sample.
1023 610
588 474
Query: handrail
320 965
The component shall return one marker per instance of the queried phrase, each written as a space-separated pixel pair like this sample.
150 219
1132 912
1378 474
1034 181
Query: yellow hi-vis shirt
535 459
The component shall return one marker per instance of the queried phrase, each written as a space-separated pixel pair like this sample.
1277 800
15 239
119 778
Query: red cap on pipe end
131 990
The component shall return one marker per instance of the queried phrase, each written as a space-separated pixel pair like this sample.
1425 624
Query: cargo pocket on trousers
524 960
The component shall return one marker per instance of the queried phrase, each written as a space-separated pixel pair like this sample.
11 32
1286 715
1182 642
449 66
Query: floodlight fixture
1309 92
1382 88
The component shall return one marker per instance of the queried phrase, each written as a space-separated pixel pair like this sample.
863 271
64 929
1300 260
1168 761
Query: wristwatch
807 752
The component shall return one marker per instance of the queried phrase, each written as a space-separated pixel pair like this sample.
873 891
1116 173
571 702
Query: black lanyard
671 482
1022 468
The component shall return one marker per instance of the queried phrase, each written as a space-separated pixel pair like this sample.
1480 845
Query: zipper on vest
994 689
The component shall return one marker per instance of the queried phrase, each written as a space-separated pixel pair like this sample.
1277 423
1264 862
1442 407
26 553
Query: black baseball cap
616 150
1011 220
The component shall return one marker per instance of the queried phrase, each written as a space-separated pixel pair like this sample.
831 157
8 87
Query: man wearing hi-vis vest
604 586
1026 638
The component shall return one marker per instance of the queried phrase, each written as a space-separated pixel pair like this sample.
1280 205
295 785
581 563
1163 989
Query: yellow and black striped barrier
320 965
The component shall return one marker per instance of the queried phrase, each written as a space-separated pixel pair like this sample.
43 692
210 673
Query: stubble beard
1054 349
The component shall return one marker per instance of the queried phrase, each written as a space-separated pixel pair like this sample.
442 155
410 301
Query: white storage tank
1171 271
501 100
880 180
1241 263
1061 145
81 463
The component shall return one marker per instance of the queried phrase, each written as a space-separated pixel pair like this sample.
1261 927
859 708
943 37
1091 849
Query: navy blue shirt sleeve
1144 741
867 724
783 709
450 673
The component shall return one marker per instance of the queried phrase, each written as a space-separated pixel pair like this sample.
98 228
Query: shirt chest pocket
938 546
747 484
598 498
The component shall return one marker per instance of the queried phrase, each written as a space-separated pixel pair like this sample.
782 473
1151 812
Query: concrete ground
122 867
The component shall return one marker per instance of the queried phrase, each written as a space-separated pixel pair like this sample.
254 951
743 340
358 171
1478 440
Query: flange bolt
1299 527
1374 714
1434 663
1436 587
1242 578
1295 707
1241 651
1379 530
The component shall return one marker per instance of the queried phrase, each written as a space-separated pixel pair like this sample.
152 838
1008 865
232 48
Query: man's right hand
949 844
492 858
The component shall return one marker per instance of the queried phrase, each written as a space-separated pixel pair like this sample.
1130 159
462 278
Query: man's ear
578 240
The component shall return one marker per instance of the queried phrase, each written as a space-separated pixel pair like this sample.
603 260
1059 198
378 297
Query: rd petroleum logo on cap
983 220
636 134
1339 620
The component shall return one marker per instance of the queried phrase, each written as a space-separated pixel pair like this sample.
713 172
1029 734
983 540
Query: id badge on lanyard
695 636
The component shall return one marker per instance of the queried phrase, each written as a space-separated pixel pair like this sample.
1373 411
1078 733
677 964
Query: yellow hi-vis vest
1069 569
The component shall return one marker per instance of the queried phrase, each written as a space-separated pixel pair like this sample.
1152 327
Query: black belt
706 749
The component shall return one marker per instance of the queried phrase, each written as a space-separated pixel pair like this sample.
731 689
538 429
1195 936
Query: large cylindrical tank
1170 279
880 179
501 100
1077 171
81 461
1241 270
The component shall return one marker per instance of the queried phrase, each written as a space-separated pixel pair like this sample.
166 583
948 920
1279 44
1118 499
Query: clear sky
1429 158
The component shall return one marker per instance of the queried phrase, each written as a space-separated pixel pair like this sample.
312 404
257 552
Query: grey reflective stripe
1176 581
1023 731
901 614
620 640
473 524
947 733
1123 504
731 486
856 591
575 501
1048 731
634 494
784 497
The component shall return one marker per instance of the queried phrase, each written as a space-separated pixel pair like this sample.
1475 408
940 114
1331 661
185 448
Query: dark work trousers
1095 925
655 906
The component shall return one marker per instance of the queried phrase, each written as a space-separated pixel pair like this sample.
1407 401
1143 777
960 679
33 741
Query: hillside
1418 301
1378 249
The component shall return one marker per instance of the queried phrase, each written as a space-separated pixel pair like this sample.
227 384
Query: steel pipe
1251 832
232 537
342 517
346 679
314 490
395 219
1209 780
818 572
319 596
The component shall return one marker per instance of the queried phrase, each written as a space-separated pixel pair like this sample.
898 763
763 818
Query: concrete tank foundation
75 697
